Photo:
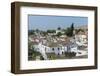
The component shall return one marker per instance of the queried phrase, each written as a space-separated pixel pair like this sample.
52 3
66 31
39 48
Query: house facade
56 48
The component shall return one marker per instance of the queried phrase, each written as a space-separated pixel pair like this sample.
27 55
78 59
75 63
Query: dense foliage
70 54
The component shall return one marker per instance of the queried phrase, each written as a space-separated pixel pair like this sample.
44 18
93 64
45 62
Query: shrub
41 57
70 54
35 53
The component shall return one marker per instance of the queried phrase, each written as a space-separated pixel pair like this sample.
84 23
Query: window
45 49
53 49
62 52
58 48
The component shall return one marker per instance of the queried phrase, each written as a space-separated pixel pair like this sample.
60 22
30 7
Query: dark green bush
41 57
70 54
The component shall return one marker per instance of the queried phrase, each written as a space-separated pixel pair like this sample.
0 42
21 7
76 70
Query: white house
57 48
57 31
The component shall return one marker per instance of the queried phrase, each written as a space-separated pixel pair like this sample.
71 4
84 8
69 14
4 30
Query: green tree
59 28
72 26
72 29
51 31
69 31
59 34
37 30
31 32
78 30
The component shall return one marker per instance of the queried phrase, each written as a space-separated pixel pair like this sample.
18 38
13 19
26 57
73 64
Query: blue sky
53 22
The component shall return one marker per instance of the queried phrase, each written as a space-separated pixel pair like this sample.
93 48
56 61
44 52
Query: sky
43 22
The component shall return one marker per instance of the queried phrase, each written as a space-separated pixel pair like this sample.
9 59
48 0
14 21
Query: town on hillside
60 43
